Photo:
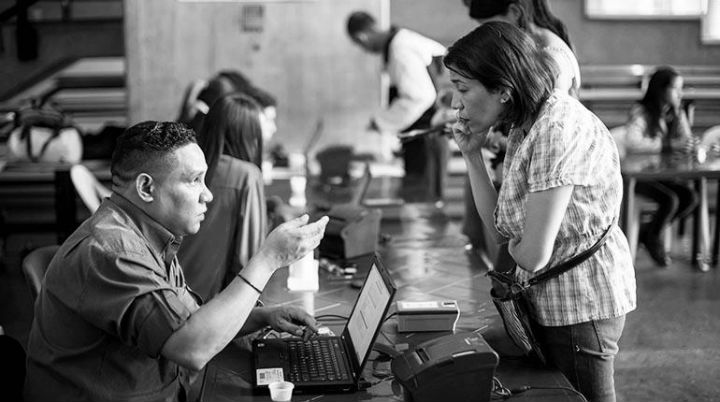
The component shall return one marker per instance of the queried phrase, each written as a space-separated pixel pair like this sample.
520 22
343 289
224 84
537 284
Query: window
645 9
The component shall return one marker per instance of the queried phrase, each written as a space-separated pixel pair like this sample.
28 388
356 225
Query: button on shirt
113 294
568 145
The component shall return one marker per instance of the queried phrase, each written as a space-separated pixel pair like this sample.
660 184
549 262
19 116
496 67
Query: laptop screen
368 312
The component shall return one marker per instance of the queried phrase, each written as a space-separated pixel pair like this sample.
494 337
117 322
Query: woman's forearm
483 191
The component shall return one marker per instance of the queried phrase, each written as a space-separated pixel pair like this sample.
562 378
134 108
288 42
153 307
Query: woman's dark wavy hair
535 11
232 127
655 100
502 57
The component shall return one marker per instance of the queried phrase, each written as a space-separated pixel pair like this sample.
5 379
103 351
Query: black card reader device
458 367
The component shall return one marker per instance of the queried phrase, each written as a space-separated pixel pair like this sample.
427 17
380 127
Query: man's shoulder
407 39
112 232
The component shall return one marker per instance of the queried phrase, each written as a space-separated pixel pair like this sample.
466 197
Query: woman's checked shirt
568 145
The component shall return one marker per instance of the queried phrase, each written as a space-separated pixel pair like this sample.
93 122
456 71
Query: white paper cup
281 391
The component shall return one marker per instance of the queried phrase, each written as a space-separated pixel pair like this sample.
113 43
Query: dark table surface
424 253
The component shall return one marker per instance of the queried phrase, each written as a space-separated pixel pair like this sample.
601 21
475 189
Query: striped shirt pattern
568 145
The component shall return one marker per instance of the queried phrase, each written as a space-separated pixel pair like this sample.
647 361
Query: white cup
303 274
281 391
296 161
297 191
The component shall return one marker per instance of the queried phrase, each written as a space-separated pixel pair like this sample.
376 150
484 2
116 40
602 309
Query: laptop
329 363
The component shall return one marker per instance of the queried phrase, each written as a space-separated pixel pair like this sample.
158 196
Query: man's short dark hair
145 146
359 21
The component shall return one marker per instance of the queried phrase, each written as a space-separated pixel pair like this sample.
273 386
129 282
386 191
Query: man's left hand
293 320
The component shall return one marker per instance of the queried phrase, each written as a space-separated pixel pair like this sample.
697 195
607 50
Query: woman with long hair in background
235 224
658 123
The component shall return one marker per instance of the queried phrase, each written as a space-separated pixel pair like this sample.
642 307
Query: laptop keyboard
315 360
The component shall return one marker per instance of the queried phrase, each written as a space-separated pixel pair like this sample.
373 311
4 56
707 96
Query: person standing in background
535 18
407 56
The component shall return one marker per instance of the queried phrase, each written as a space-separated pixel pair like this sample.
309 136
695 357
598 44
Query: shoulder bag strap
572 262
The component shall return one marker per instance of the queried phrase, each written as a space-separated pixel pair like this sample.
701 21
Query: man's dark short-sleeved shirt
113 294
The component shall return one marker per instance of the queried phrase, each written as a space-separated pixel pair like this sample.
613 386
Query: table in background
426 260
40 197
652 167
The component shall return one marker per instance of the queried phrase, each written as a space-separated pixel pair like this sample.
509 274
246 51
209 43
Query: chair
34 266
711 138
87 186
710 141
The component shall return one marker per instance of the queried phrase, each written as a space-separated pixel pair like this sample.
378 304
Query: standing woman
657 124
549 33
235 223
535 18
561 191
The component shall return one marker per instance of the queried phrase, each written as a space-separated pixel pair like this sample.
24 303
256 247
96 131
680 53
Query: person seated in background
658 123
235 223
201 95
115 319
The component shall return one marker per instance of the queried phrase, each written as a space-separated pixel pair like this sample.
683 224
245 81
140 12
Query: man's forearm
257 320
215 324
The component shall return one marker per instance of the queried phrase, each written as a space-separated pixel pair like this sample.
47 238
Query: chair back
711 138
34 266
334 164
88 187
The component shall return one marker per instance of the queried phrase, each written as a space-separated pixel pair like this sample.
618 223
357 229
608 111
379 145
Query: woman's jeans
585 354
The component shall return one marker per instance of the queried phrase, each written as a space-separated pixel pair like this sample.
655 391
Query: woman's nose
455 103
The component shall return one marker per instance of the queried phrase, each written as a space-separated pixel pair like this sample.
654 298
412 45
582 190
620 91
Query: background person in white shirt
407 56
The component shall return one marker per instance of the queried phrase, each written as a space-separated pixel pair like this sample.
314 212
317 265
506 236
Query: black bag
508 295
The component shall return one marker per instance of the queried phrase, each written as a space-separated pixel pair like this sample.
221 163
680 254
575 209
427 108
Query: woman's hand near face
467 141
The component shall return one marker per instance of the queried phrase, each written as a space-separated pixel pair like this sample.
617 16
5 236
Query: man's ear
361 38
145 187
514 12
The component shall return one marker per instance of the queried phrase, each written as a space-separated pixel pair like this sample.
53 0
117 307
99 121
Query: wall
58 41
674 42
303 56
443 20
596 41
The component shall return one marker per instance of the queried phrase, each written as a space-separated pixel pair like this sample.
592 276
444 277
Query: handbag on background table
508 295
43 134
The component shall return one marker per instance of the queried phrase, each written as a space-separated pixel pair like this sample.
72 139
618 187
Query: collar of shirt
386 50
161 239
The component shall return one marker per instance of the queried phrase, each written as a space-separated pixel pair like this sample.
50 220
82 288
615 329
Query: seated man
114 319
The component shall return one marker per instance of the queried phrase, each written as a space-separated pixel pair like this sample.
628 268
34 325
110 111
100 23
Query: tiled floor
670 350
